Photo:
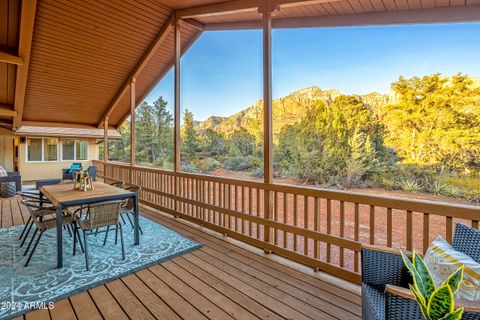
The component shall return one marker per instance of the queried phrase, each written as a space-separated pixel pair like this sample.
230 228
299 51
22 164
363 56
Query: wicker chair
44 219
100 215
69 174
385 280
36 207
127 207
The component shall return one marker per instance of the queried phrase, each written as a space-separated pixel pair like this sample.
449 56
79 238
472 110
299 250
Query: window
68 150
81 149
50 147
34 150
74 149
42 149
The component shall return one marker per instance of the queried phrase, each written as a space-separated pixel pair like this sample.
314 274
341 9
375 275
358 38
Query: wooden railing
320 228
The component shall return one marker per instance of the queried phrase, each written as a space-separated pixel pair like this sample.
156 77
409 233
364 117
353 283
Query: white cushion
442 260
3 172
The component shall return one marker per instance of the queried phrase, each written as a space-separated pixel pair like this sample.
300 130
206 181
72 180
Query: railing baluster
316 226
389 227
305 224
426 232
329 226
258 214
285 217
449 229
275 216
250 204
475 224
409 230
295 221
372 224
342 232
356 235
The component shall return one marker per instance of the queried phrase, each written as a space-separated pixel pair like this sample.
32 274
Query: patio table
63 196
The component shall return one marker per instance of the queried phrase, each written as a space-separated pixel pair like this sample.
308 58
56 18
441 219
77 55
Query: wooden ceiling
70 61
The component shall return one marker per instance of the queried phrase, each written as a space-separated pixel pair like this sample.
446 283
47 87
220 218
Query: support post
177 115
132 128
267 113
105 146
176 142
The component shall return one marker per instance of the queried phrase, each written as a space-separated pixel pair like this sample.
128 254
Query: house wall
32 171
6 149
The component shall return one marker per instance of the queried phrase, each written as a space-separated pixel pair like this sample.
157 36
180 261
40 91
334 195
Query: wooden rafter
469 13
6 110
10 58
162 35
27 21
234 6
194 23
162 74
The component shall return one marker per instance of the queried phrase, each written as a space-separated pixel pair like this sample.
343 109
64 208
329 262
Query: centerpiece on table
83 181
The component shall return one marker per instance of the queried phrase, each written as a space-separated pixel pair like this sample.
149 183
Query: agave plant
435 303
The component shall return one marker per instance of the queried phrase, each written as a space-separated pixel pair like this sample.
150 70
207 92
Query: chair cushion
3 172
74 166
442 260
373 303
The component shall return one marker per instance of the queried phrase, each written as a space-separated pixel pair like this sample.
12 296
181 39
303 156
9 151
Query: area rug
40 284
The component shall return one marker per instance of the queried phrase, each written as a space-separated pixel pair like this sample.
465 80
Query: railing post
176 162
267 113
132 128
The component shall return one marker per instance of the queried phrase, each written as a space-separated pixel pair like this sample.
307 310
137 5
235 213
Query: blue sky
222 72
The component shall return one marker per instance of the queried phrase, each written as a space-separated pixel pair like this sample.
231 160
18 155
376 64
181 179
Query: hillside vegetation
422 136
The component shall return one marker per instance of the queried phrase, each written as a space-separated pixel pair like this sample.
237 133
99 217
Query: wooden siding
219 281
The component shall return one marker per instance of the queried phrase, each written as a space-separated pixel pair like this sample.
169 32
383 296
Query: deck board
219 281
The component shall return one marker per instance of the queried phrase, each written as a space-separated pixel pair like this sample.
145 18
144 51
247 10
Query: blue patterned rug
39 284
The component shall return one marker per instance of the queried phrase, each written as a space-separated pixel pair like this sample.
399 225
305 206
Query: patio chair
69 173
44 219
92 171
127 207
13 178
100 215
385 279
42 207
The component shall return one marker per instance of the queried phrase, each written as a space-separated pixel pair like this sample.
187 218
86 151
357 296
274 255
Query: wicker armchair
385 280
69 174
100 215
13 177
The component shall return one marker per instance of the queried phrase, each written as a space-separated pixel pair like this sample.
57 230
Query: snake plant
435 303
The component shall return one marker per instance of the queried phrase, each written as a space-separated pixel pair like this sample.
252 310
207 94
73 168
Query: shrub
206 165
242 163
411 186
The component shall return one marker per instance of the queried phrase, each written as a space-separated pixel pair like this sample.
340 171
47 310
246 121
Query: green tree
190 143
435 120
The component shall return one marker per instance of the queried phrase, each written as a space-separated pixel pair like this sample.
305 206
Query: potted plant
436 303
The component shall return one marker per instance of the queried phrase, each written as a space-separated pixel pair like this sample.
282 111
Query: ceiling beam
6 110
161 36
59 125
194 23
451 14
169 66
10 58
235 6
27 21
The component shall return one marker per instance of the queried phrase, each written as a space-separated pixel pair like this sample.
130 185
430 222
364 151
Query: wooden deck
222 280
